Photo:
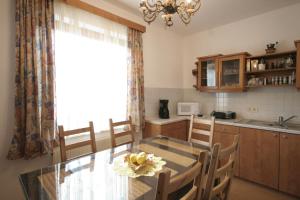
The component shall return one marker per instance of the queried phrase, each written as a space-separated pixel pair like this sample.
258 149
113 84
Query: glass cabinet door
208 73
230 70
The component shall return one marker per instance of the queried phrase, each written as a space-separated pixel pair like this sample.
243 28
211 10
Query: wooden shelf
262 86
195 72
231 74
271 71
272 55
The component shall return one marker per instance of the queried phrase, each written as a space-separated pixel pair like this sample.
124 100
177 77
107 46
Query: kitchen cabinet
259 156
231 72
178 130
224 134
208 73
289 176
265 157
297 43
218 73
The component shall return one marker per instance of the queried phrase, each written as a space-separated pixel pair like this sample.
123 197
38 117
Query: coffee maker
163 109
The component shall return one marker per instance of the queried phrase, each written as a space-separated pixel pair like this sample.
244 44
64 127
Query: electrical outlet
253 109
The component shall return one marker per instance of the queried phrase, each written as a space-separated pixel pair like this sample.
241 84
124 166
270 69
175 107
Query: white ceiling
213 13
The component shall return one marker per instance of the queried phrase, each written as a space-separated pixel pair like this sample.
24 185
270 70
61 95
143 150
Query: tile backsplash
260 103
153 95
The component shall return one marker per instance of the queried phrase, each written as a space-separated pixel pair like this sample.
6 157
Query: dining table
93 177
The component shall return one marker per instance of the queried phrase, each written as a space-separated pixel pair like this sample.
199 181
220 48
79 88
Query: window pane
91 81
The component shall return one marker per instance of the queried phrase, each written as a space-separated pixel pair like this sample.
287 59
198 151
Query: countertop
231 122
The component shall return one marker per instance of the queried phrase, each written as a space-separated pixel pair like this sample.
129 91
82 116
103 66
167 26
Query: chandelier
184 8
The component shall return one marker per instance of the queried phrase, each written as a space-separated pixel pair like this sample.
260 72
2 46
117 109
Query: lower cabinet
178 130
224 135
289 176
259 156
264 157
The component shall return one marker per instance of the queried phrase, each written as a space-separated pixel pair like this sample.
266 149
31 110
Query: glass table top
92 177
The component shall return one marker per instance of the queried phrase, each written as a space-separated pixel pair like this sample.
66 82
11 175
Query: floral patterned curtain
135 71
34 98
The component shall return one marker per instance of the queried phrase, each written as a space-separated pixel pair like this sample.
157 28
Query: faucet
282 121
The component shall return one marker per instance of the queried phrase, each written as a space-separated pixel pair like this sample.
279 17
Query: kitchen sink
263 123
288 126
293 126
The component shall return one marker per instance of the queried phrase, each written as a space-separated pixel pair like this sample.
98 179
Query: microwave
187 108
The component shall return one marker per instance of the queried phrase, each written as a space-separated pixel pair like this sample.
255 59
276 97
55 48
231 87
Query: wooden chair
64 148
219 178
167 185
127 130
198 132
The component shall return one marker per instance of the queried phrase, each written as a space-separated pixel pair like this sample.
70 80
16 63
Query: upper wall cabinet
241 71
220 73
208 73
231 72
297 43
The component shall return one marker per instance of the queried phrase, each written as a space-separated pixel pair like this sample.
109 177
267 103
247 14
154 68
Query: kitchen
263 96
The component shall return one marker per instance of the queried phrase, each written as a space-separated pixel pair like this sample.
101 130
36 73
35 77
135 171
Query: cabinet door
298 64
176 130
208 74
226 139
151 130
259 156
232 72
289 177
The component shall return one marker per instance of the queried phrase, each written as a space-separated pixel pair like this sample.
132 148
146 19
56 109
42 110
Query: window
91 68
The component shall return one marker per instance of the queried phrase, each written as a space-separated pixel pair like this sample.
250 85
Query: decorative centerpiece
141 164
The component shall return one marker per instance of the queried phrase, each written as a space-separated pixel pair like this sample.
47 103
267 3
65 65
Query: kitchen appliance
163 109
223 115
188 108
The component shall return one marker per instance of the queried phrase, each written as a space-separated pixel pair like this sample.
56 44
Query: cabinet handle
284 136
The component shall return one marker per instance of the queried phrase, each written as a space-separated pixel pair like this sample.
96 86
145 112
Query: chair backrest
200 135
219 177
121 133
167 185
64 148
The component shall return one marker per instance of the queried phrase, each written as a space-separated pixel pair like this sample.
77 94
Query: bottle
276 80
280 80
293 78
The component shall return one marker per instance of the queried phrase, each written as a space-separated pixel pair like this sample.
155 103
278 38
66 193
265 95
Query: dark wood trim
297 43
211 57
108 15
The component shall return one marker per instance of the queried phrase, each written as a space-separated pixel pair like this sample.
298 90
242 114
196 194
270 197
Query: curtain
91 68
135 78
34 94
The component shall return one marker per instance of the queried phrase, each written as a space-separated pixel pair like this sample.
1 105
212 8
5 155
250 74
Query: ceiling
213 13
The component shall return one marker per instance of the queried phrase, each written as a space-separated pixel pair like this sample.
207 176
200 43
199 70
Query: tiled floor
10 188
244 190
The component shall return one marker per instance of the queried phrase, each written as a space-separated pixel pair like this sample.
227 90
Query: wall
246 35
7 68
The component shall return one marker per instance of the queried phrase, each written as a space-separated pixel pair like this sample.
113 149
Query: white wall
250 35
7 69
